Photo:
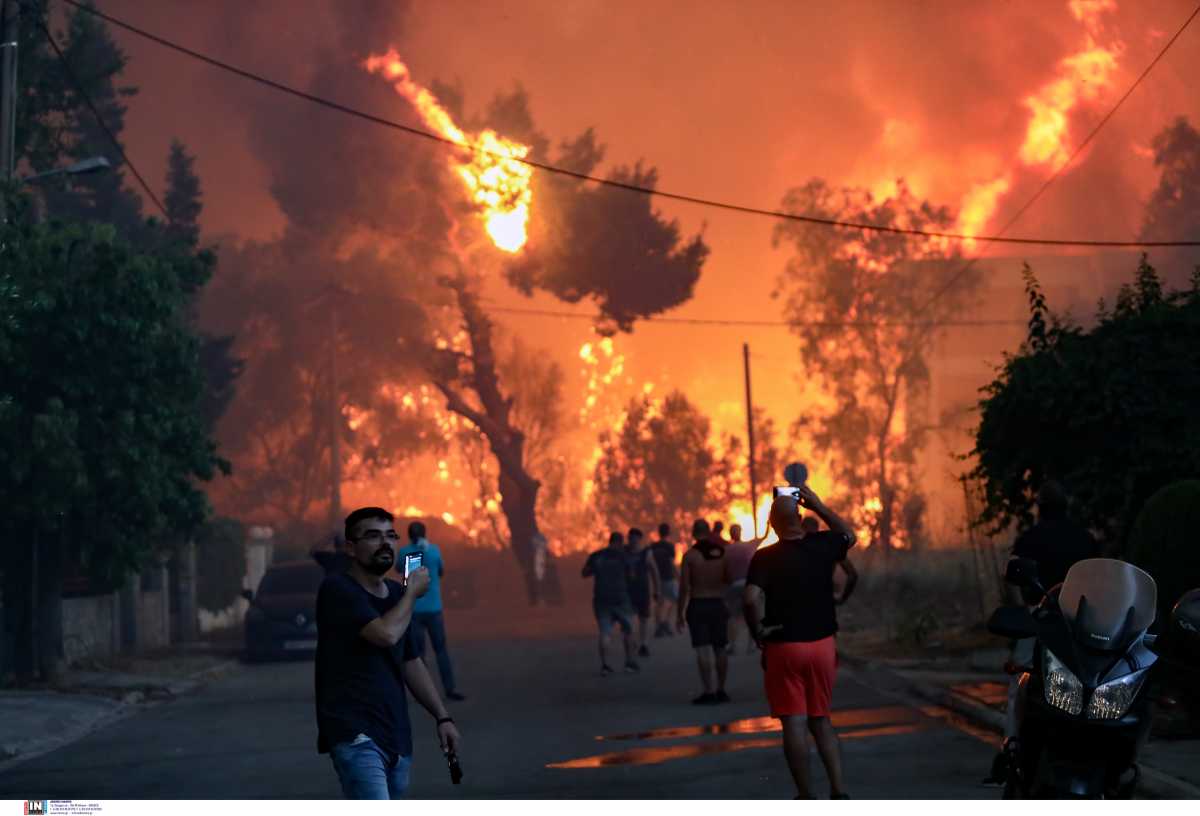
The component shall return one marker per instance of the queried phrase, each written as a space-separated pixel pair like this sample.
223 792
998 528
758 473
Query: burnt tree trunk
518 489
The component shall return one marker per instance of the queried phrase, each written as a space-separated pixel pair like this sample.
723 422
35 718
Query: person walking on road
668 579
610 568
704 580
789 607
365 659
427 612
738 553
643 586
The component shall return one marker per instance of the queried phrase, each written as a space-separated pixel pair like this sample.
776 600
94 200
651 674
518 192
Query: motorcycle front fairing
1071 753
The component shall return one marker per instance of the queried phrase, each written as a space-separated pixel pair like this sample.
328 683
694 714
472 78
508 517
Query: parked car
282 618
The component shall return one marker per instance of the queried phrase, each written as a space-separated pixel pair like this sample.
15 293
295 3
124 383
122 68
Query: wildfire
1082 77
497 182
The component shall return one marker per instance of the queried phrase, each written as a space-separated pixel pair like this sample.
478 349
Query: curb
12 757
1158 784
122 707
197 680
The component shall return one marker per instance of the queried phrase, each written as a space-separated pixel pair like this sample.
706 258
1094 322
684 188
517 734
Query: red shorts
799 677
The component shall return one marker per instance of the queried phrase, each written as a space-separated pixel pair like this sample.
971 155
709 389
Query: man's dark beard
377 567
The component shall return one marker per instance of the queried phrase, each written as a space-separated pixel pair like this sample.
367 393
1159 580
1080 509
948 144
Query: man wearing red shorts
789 606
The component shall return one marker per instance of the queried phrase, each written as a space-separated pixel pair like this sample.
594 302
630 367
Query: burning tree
376 290
863 305
1173 211
658 465
573 254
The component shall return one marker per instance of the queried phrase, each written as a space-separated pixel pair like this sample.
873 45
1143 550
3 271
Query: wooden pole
750 437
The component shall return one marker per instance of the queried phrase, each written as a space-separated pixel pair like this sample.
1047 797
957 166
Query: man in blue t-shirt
427 613
365 658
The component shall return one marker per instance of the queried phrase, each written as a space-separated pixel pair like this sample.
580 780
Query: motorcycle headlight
1112 700
1063 689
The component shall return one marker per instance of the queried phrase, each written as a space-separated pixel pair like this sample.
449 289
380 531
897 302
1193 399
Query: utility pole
750 436
9 13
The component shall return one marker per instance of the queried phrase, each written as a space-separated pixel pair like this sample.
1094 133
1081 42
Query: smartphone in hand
412 563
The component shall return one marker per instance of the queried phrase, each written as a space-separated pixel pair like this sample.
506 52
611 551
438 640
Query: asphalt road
539 723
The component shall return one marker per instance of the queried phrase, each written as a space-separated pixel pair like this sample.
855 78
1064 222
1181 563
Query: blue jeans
432 623
366 771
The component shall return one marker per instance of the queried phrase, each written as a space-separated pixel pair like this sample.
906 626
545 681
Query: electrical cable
774 324
549 168
100 120
1062 168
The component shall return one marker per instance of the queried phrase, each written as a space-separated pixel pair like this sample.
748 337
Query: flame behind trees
564 257
877 374
657 465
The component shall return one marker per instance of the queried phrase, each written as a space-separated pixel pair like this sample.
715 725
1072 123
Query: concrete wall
91 627
154 611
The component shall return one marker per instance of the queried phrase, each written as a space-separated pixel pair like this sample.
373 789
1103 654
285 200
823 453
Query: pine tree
56 125
184 200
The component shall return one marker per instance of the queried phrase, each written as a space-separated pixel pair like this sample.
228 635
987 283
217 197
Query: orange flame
1082 76
497 182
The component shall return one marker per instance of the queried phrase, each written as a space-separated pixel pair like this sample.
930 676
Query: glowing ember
496 181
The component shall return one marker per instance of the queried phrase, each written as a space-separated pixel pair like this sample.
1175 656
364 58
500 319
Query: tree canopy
100 412
1109 412
658 465
866 307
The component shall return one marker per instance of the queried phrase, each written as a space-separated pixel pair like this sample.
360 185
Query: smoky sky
730 100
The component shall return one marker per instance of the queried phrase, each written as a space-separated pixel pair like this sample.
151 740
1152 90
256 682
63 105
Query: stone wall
91 627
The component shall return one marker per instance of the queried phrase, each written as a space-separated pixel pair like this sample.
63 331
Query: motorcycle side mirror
1015 622
1023 572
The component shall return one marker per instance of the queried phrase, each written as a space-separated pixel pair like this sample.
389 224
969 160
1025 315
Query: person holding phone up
789 607
366 657
427 612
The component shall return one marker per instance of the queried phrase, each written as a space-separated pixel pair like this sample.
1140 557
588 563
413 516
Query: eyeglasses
375 536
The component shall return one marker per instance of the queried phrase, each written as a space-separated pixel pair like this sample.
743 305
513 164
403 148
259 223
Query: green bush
1164 541
220 563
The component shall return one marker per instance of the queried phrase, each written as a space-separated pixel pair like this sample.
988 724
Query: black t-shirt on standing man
612 570
359 686
664 559
797 578
1056 544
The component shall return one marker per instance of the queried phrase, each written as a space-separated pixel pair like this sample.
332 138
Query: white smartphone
412 563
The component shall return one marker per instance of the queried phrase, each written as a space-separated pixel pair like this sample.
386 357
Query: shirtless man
704 581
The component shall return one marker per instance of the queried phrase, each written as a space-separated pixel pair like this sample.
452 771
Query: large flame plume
1082 77
490 167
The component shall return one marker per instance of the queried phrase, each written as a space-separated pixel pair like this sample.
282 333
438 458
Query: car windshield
292 581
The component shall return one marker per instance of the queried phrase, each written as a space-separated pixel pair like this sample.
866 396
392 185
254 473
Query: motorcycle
1084 705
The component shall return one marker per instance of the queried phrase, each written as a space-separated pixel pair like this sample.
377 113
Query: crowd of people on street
783 595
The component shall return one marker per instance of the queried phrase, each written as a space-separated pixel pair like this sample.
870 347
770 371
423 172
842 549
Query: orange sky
729 100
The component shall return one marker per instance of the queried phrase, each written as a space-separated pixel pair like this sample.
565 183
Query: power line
773 324
1070 159
100 119
549 168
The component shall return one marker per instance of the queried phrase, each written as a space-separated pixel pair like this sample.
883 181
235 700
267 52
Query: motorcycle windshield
1107 602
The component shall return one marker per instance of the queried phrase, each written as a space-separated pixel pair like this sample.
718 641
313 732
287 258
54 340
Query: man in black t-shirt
611 569
643 585
663 552
365 659
789 606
